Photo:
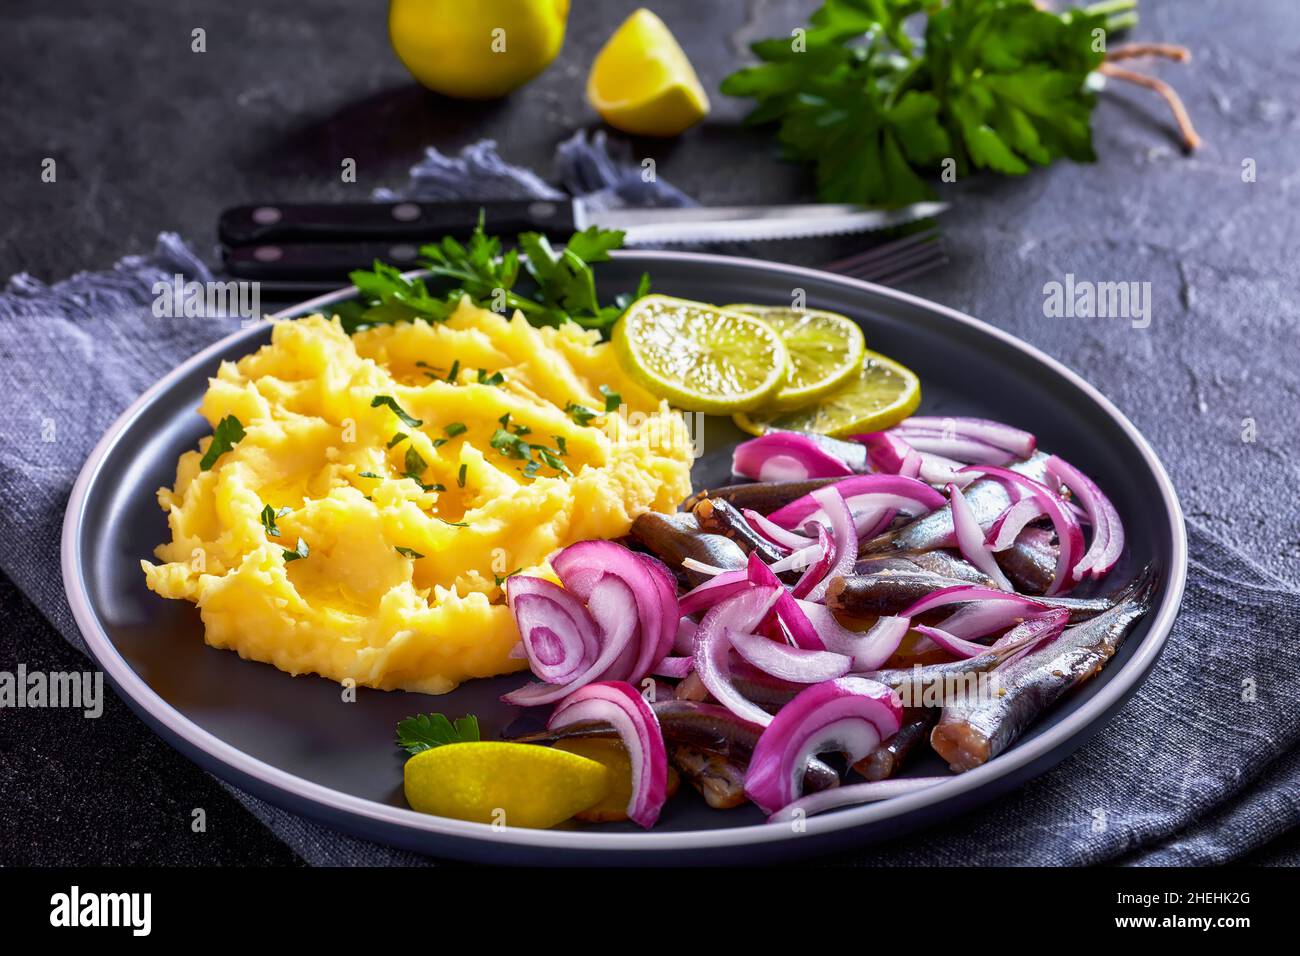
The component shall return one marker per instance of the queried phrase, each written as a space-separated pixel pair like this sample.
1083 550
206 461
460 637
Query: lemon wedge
518 785
699 357
642 83
825 348
879 396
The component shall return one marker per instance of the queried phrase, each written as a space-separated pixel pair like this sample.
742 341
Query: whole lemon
476 50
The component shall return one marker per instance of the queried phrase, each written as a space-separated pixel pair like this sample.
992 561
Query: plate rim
269 781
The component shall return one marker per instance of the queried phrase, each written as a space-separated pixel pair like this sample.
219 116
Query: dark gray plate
294 742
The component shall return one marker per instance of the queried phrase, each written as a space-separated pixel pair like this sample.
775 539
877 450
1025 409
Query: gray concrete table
151 136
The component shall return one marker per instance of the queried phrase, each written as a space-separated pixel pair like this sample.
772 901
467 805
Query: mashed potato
400 587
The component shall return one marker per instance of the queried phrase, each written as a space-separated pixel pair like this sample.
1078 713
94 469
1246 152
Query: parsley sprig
993 84
426 731
564 285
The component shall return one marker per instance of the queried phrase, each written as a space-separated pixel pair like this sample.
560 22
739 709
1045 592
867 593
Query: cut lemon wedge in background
641 82
519 785
699 357
825 348
880 396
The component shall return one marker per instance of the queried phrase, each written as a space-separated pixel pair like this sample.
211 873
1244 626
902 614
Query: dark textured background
150 136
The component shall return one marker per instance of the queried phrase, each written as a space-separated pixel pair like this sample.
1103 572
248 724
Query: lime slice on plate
825 349
880 396
699 357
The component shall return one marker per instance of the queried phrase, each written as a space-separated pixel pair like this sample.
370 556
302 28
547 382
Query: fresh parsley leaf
368 474
300 551
580 414
561 445
391 402
228 432
455 524
460 476
409 552
496 378
612 398
996 84
396 439
269 515
454 429
426 731
455 371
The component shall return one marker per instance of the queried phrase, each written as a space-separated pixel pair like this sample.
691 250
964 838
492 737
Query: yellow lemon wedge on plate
825 348
478 50
879 396
699 357
519 785
642 83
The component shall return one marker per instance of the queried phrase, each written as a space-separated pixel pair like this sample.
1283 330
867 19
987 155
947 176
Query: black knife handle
400 221
331 262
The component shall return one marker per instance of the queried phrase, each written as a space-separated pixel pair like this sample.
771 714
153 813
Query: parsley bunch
565 286
993 84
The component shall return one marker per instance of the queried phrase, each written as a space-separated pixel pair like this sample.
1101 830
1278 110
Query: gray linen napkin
1194 769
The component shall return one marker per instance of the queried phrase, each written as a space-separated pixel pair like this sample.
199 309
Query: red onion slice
1068 533
950 642
675 667
818 570
557 635
761 576
1032 634
1007 526
726 584
920 498
782 537
785 456
850 715
742 612
966 450
1107 528
612 607
868 649
1015 440
961 593
854 794
844 532
970 539
618 703
794 664
581 565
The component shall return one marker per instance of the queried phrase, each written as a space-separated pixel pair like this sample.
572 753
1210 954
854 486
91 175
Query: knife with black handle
291 241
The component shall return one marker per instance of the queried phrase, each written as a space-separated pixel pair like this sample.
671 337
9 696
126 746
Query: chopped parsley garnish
561 444
455 524
269 515
455 371
368 474
580 413
612 398
500 579
439 442
415 463
426 731
396 439
514 446
409 553
496 378
391 402
454 429
301 551
460 476
224 436
504 420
